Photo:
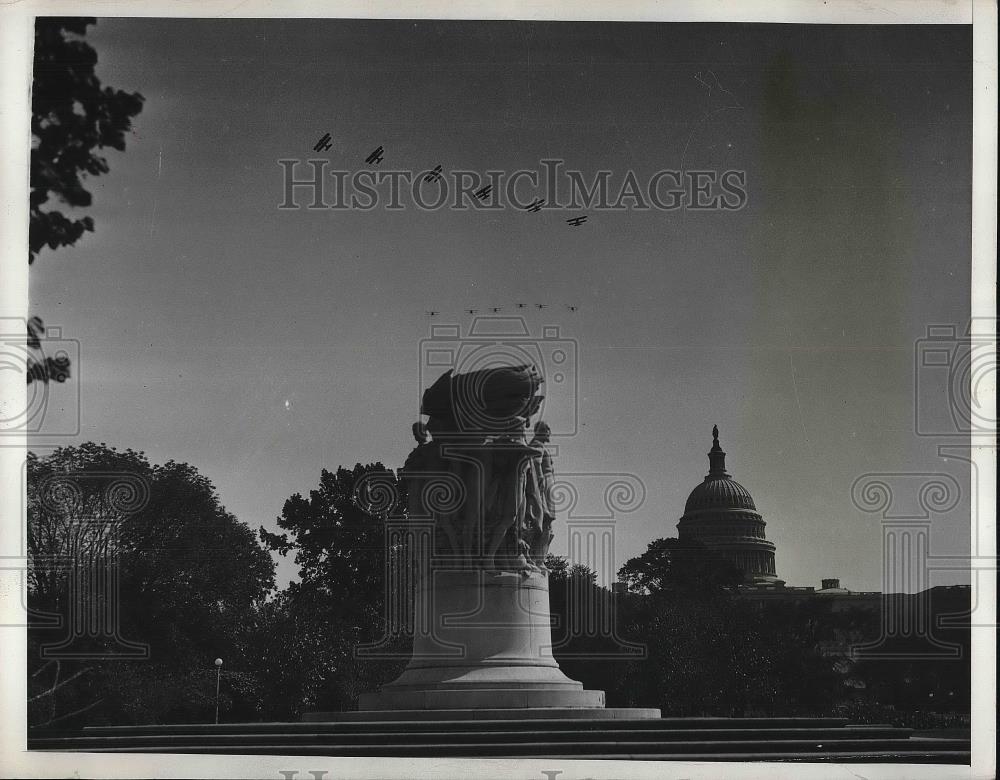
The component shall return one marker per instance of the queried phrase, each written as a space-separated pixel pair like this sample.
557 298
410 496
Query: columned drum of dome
720 513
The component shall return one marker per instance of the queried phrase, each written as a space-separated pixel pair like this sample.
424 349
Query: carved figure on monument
477 476
420 433
544 476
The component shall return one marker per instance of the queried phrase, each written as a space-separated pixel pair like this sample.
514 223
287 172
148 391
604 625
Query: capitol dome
721 514
719 492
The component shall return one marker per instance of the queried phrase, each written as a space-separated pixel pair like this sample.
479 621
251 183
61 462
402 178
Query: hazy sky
262 345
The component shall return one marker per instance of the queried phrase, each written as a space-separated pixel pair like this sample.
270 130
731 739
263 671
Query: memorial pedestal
483 647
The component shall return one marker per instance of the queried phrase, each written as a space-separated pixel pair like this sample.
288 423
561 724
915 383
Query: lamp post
218 677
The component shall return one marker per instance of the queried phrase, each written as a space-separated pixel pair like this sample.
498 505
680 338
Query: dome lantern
716 457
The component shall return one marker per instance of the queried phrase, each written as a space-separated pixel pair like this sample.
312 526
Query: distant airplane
572 308
471 311
542 305
432 313
375 157
496 309
536 205
577 221
521 305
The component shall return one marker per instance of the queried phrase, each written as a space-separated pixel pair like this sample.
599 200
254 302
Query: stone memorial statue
479 497
482 631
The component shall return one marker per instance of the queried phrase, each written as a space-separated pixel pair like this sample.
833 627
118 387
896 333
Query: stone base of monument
483 648
618 714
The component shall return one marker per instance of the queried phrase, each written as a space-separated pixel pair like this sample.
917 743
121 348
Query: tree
558 567
678 564
73 117
338 543
297 645
712 651
586 623
575 599
338 538
189 579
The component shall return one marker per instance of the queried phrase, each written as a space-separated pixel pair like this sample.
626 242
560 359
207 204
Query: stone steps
499 724
695 739
504 737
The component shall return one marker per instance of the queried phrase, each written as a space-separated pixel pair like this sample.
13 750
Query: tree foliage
712 652
337 543
678 564
189 579
73 117
194 586
314 627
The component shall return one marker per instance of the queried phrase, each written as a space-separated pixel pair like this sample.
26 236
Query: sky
262 345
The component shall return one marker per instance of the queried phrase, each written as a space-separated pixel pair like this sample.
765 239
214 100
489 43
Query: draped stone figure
544 475
475 474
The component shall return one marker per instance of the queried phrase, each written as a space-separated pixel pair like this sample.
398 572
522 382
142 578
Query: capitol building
721 514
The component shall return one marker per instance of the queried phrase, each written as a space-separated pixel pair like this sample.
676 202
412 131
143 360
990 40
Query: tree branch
57 686
50 721
41 668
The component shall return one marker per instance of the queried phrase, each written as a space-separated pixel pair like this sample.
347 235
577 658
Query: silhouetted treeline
194 583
